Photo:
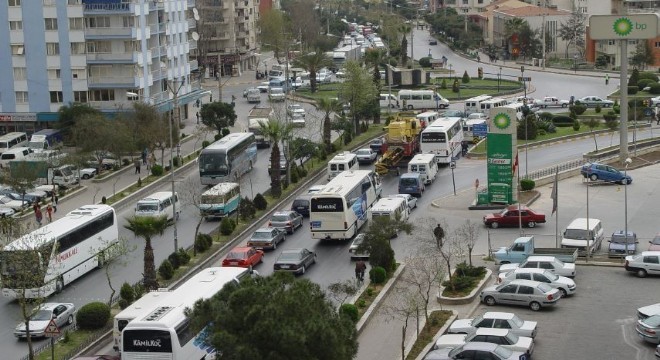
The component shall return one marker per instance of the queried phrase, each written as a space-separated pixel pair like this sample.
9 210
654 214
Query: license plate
284 266
234 262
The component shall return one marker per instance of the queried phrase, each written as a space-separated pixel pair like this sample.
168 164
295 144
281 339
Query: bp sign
501 154
609 27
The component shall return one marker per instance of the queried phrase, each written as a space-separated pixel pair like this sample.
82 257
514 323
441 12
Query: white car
17 205
503 337
61 313
497 320
298 120
565 285
366 156
477 116
655 101
646 263
296 109
649 310
264 86
359 238
550 263
551 101
6 211
276 94
410 200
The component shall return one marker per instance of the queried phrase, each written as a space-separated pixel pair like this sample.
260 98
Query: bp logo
623 26
502 121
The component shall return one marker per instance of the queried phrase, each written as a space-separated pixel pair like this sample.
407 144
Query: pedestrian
38 214
478 59
360 268
144 156
607 79
657 117
197 117
54 199
138 165
49 213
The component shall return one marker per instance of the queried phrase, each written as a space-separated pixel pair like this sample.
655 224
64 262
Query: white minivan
582 236
19 153
425 165
391 208
342 162
389 100
159 204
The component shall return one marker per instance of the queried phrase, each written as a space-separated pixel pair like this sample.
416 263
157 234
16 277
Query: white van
159 204
421 99
473 105
19 153
486 105
12 140
579 235
427 117
425 165
342 162
388 100
391 208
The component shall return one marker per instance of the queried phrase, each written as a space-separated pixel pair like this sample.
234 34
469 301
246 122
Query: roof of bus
228 141
442 124
170 312
343 157
57 228
494 100
427 113
481 97
221 188
147 302
422 158
387 203
343 183
158 196
12 135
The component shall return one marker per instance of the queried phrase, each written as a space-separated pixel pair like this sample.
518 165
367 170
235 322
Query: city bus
339 210
164 331
161 203
228 158
442 138
147 301
47 259
220 200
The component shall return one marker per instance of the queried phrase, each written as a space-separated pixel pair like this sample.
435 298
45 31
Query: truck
256 116
45 139
523 247
551 101
46 174
346 53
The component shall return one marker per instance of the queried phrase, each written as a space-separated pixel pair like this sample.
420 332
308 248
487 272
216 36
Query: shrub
466 78
458 283
455 87
369 291
632 90
184 257
165 270
139 182
597 108
123 304
545 116
642 83
127 292
217 137
174 260
126 162
463 269
349 310
203 242
226 227
425 62
562 121
294 176
443 84
139 290
655 89
527 128
157 170
609 116
93 316
225 132
576 125
176 161
527 184
578 109
260 202
361 303
616 109
246 209
377 275
634 78
205 143
648 75
546 127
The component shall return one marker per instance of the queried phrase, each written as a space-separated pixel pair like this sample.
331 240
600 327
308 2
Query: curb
599 263
465 299
364 320
440 332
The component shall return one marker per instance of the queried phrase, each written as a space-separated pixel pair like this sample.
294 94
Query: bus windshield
438 137
213 199
213 164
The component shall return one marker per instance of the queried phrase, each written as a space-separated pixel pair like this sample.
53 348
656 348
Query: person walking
607 79
360 268
49 213
657 117
38 214
144 156
197 114
138 165
54 199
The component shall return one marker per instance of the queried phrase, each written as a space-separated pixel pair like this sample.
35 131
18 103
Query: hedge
93 316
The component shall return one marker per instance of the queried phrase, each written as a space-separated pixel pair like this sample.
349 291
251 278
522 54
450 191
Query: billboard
501 156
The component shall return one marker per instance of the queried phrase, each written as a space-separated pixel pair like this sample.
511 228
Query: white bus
12 140
491 104
340 209
474 104
442 138
59 253
220 200
228 158
342 162
390 207
158 204
427 118
421 99
425 165
146 302
164 331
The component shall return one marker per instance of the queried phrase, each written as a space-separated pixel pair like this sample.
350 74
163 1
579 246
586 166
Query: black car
301 205
295 260
377 145
433 42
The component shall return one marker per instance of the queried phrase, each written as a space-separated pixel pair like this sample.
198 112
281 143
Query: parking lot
598 322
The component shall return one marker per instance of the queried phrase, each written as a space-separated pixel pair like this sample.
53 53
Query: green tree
574 30
377 240
643 55
512 30
358 90
71 114
147 126
375 58
634 78
527 128
403 30
99 136
301 149
313 62
276 131
273 25
147 227
218 115
327 106
254 320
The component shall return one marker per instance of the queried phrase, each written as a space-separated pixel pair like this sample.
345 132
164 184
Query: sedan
264 86
521 292
294 109
295 260
503 337
593 101
266 238
550 263
514 216
410 200
475 350
649 329
29 198
497 320
297 120
62 313
6 201
287 221
6 211
366 156
654 245
649 310
243 256
353 249
565 285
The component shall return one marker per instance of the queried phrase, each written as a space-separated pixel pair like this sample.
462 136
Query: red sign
51 329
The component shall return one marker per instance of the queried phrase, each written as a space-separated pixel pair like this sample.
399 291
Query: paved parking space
597 322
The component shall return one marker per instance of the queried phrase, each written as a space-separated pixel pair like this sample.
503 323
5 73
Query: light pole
522 73
625 201
171 125
499 78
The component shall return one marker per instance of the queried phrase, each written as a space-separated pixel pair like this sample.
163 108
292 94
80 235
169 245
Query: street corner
461 201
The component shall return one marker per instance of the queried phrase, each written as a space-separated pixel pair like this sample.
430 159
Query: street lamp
625 197
522 74
175 91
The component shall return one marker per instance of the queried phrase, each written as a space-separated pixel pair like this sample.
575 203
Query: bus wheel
59 285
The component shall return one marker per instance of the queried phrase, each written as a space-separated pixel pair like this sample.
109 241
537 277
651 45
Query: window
79 73
20 73
509 289
130 46
657 44
541 278
98 22
545 265
502 324
99 47
128 21
651 259
80 96
86 231
15 25
531 264
52 48
14 2
49 2
21 97
77 48
56 97
51 23
17 50
100 70
523 276
102 95
76 23
611 42
526 290
485 323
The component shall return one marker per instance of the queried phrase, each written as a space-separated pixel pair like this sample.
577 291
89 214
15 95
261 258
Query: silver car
62 313
353 249
649 329
565 285
503 337
649 310
295 260
410 200
288 221
534 294
593 101
475 350
497 320
266 238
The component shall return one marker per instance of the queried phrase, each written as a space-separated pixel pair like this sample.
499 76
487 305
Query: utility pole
543 38
175 92
219 75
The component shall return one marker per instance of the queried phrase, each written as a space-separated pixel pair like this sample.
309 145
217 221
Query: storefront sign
18 117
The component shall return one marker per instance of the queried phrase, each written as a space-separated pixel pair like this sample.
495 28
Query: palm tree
276 131
327 106
146 227
313 62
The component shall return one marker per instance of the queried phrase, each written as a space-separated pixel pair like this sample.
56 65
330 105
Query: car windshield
358 240
147 207
42 315
656 240
363 152
516 321
653 321
504 353
261 235
621 239
544 287
288 256
513 338
279 218
237 255
551 276
575 234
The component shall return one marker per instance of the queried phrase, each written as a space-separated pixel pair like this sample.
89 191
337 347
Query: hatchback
534 294
286 220
595 171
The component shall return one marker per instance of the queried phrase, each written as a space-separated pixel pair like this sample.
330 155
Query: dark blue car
595 171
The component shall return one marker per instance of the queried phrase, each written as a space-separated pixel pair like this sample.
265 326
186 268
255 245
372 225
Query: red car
243 256
509 217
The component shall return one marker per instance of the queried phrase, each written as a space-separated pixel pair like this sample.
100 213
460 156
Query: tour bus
486 105
425 165
220 200
342 162
12 140
147 301
421 99
474 104
442 138
165 330
339 210
58 253
390 207
228 158
158 204
427 118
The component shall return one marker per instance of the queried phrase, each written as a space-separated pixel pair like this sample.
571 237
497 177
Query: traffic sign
51 329
524 78
480 130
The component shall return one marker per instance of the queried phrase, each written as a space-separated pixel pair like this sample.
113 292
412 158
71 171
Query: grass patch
437 320
367 298
62 349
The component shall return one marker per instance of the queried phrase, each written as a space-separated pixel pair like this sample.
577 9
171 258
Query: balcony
192 23
192 44
193 65
96 82
107 8
111 33
157 28
158 74
113 58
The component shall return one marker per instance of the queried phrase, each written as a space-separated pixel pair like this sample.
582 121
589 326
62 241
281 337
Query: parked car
286 220
646 263
29 197
530 293
266 238
550 263
622 245
6 201
503 337
243 256
433 42
648 310
62 313
366 156
377 144
497 320
6 211
592 101
353 249
654 245
410 200
475 350
595 171
295 260
565 285
649 329
514 215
